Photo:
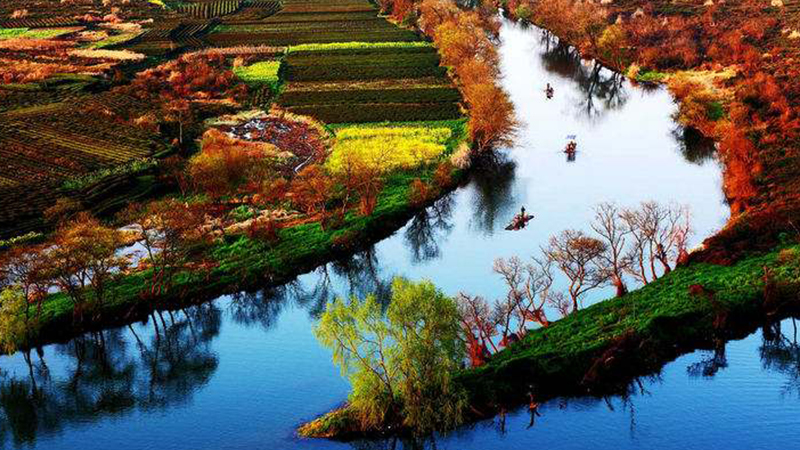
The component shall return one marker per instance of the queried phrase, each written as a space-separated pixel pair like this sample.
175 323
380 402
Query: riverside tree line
401 358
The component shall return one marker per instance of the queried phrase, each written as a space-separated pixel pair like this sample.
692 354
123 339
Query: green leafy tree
13 323
400 361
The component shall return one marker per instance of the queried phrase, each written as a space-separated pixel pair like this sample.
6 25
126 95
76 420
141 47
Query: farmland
75 118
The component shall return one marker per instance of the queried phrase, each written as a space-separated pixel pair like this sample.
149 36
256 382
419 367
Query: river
243 371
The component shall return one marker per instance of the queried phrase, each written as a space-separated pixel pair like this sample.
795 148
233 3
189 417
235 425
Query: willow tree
400 361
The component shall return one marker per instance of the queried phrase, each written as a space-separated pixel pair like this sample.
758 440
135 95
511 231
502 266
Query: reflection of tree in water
357 275
428 228
260 308
494 199
111 373
601 90
695 148
711 364
781 353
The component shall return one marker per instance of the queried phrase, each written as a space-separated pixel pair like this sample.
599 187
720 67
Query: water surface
243 371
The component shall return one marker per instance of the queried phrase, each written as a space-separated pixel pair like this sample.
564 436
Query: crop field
335 60
369 82
391 148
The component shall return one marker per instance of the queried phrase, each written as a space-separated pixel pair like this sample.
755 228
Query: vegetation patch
263 72
391 148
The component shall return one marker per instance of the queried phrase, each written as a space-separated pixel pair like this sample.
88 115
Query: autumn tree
479 326
659 236
578 257
310 189
24 268
168 231
83 262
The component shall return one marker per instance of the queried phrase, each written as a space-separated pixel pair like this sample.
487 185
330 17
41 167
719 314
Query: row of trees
81 261
464 39
638 244
752 112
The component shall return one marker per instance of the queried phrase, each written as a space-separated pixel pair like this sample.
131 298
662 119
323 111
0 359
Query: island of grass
601 349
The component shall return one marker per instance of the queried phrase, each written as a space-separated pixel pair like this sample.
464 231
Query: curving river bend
243 371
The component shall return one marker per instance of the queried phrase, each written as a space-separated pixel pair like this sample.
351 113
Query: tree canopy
399 359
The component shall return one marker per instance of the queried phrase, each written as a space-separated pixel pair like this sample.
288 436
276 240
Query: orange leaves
310 189
491 120
464 44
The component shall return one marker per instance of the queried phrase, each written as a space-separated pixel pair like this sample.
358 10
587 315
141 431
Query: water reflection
695 148
494 197
780 352
600 90
428 228
110 373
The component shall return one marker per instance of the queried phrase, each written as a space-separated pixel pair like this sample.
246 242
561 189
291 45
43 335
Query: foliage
225 162
388 148
13 327
83 263
400 365
264 72
134 167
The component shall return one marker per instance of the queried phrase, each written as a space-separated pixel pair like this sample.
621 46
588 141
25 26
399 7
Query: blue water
243 371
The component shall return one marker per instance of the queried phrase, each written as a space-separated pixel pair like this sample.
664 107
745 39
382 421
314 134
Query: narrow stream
243 371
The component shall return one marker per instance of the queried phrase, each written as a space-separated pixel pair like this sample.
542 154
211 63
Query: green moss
650 76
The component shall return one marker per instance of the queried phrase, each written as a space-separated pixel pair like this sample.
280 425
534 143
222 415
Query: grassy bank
238 262
600 349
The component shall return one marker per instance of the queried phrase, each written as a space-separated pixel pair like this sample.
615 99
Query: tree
400 364
83 261
310 189
578 258
615 259
13 323
25 268
168 230
479 326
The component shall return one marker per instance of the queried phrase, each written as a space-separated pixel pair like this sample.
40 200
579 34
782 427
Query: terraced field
343 64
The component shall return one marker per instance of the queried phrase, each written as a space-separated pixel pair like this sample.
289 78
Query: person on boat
522 212
549 91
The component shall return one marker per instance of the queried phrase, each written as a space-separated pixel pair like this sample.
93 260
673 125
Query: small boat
519 221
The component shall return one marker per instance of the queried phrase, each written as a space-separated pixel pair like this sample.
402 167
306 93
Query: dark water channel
242 371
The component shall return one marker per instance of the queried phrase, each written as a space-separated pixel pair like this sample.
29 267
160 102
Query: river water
243 371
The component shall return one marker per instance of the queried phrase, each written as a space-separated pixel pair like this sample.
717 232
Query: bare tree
660 234
528 289
578 257
479 325
615 259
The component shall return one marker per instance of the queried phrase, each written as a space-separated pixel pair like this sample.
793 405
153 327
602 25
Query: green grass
264 72
302 48
43 33
663 314
650 76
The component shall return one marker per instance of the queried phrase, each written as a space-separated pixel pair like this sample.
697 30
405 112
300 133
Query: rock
638 13
709 3
606 2
794 34
777 3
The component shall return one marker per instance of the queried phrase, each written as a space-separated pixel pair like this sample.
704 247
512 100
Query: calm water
243 371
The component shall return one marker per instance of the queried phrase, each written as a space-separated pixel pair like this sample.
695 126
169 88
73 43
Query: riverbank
241 263
746 276
601 349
